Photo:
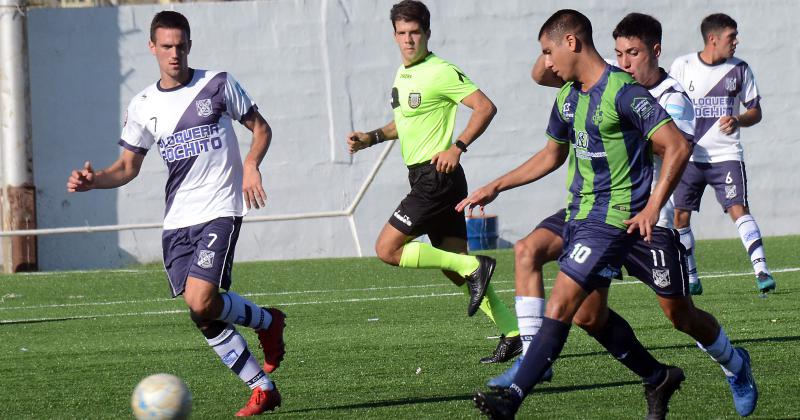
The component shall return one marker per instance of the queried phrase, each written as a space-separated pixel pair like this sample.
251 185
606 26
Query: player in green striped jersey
425 97
606 126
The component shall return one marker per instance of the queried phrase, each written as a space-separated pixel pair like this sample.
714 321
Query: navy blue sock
544 350
618 338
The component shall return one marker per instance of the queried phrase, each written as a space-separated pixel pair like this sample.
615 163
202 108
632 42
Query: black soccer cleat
497 405
507 349
478 282
658 395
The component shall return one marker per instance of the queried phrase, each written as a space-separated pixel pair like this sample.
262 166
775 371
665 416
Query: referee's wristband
376 136
461 145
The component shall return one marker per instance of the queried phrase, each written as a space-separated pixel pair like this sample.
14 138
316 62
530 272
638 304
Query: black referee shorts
430 206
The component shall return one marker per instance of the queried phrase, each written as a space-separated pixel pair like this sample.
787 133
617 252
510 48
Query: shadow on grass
693 346
461 397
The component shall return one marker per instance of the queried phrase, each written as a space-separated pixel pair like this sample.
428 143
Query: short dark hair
639 25
168 19
411 11
715 23
567 21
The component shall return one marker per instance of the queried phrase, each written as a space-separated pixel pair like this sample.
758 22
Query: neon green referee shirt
425 97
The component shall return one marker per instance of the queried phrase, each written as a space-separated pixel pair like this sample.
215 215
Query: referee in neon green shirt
425 97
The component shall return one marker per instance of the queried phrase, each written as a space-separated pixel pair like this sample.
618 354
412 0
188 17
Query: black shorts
430 206
660 264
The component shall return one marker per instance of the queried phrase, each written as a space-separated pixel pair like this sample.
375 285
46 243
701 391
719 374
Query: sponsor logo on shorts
730 191
403 218
609 272
205 259
414 99
230 358
643 107
204 108
661 277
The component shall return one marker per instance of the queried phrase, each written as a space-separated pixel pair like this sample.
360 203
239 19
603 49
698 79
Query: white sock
530 311
751 239
722 352
232 349
687 239
240 311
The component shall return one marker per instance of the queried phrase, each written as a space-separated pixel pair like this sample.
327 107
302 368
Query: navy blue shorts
728 179
554 223
430 206
660 264
594 252
203 251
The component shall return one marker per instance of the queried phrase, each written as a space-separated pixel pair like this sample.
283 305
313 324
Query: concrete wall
319 69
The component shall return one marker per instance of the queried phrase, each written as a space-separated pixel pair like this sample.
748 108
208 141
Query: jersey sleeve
135 135
557 128
237 102
749 94
680 109
454 84
635 104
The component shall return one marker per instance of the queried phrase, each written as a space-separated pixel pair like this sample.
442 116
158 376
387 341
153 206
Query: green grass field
366 340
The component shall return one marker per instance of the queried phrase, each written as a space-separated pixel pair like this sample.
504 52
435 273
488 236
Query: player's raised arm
254 195
118 174
550 158
358 140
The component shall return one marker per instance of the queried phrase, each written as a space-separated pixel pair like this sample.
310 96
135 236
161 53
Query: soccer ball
161 396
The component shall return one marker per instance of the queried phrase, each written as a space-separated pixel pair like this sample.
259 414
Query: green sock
498 312
421 255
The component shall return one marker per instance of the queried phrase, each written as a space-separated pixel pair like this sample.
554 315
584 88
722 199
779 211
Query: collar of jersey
424 59
700 59
180 86
597 85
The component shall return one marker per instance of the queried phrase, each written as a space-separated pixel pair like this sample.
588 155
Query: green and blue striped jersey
610 159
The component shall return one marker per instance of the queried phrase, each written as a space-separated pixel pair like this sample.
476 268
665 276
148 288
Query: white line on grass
314 302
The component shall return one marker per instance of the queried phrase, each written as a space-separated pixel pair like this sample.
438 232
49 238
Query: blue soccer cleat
765 282
505 379
743 386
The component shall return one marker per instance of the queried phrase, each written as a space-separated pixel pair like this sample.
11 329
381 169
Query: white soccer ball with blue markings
160 397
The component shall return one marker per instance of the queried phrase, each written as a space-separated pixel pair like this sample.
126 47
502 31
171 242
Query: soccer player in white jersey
719 84
637 39
188 113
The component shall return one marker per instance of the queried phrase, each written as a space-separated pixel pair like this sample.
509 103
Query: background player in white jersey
637 40
718 83
189 114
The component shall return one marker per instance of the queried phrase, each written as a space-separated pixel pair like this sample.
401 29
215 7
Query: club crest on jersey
414 99
204 108
661 277
730 84
597 118
205 259
730 191
643 107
